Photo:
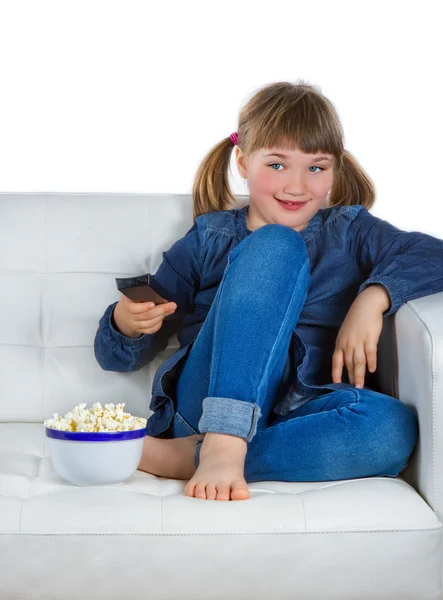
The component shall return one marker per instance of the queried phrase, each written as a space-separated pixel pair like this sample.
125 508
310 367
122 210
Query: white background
128 96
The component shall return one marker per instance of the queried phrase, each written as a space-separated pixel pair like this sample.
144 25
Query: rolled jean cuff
227 415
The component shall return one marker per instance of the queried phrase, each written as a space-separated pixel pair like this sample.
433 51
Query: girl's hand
357 340
137 318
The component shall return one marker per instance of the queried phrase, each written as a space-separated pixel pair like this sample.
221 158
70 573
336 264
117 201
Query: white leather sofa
364 539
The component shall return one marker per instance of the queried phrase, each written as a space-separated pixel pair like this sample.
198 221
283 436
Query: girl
276 302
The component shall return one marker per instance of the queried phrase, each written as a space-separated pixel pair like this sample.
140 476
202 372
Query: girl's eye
315 167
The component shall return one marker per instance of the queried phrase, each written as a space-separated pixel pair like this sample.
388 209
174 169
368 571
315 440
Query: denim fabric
345 249
239 356
345 434
233 377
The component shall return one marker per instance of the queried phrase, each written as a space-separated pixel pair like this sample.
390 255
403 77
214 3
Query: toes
200 490
196 489
223 491
189 488
240 491
211 491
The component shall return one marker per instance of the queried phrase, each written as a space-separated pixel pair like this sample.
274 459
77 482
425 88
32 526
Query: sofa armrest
410 368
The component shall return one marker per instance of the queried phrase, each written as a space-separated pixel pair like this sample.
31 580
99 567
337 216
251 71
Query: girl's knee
397 430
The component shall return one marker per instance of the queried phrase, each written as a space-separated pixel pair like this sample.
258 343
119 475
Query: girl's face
295 177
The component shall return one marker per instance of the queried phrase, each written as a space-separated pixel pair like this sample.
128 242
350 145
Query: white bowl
95 458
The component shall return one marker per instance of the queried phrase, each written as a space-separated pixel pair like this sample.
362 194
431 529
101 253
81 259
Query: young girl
275 304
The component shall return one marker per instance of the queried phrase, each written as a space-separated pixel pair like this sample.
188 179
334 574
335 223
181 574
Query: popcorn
110 419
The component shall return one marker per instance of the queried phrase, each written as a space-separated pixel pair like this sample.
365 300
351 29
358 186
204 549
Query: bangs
307 123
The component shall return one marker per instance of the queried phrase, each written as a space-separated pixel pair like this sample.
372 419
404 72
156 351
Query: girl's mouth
291 205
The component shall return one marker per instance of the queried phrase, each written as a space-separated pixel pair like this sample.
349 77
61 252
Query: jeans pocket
180 428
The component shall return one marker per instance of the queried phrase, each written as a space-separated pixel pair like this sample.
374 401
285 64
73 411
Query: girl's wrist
377 295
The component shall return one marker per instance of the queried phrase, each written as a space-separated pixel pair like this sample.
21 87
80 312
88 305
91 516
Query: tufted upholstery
371 538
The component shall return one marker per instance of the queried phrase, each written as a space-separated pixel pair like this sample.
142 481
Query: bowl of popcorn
95 446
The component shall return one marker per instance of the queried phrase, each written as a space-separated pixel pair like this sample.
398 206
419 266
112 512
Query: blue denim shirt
348 248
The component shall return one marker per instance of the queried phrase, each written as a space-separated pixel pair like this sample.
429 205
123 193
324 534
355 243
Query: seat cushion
146 531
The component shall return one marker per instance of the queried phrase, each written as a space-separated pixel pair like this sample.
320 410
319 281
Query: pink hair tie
234 138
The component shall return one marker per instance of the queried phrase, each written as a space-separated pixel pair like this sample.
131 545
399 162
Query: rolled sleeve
117 352
391 287
229 416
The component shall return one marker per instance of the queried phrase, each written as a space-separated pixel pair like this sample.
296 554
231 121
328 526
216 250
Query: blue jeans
230 380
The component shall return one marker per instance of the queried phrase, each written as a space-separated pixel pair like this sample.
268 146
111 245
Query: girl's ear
241 162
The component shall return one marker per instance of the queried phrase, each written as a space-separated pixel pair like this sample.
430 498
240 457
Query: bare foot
220 474
173 458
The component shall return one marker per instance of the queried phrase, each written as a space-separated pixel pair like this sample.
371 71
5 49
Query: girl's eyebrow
318 158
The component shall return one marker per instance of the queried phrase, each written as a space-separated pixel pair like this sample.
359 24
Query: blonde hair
286 115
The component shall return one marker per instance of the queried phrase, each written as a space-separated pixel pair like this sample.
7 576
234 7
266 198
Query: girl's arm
407 264
179 274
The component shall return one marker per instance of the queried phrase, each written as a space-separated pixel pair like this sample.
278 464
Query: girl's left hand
357 341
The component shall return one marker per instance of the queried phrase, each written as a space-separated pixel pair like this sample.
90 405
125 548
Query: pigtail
211 190
351 185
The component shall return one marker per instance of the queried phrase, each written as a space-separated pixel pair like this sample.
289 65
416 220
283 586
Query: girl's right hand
136 318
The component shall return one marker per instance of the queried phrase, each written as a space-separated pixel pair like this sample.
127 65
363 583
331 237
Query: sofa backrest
60 255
